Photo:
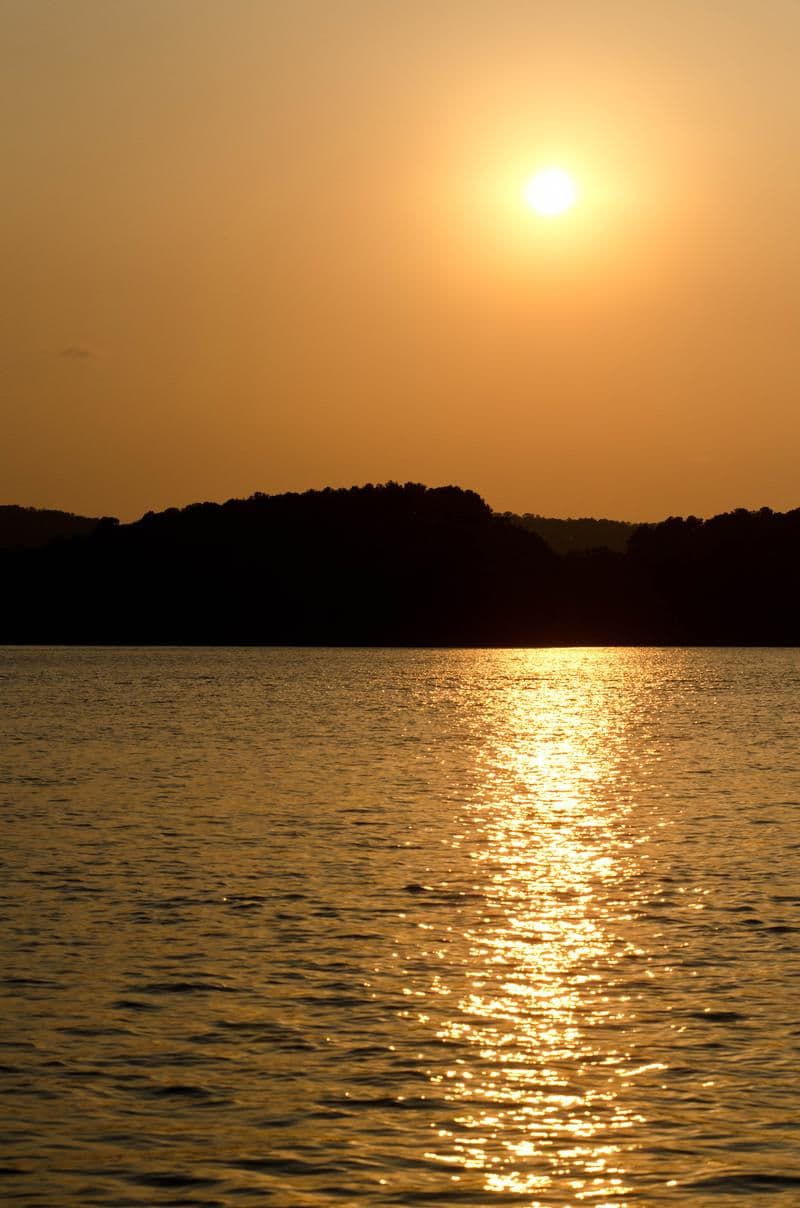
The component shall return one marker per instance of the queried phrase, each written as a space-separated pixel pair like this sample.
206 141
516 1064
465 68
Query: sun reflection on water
544 1017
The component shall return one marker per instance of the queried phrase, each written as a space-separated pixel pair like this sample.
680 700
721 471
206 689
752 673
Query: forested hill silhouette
733 579
574 536
375 564
25 528
407 565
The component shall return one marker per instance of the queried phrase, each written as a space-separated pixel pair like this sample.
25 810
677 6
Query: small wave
132 1004
443 895
357 935
184 987
177 1090
718 1016
752 1182
284 1165
279 1035
32 982
168 1180
88 1032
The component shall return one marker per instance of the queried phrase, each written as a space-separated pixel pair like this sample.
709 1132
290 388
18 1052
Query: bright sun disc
550 192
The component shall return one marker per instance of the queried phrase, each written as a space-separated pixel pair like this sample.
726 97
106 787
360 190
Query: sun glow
550 192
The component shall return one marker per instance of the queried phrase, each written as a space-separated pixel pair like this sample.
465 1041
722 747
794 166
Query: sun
550 192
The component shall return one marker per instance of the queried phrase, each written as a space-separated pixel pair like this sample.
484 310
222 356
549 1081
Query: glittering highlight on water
316 927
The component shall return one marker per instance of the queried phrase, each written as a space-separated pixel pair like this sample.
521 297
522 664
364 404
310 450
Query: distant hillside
576 536
30 528
375 565
402 565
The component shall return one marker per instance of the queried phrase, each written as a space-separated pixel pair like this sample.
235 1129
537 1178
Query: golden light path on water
542 1107
397 927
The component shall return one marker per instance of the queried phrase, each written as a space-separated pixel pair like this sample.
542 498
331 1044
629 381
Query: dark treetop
28 527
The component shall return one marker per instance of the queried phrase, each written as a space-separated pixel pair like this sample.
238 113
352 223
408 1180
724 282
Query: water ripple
322 927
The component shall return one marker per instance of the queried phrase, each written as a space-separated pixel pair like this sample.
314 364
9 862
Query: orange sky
280 244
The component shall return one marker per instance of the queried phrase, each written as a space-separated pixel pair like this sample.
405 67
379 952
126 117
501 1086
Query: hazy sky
280 244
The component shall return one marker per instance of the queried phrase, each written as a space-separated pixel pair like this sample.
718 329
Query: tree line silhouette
23 528
400 565
574 536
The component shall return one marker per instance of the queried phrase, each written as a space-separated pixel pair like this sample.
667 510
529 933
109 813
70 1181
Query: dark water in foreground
322 927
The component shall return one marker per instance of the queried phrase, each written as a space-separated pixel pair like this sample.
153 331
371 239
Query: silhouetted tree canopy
577 536
26 528
401 565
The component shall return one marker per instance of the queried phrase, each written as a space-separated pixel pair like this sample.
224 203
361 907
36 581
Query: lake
311 927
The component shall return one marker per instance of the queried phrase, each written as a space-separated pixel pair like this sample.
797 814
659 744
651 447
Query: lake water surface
399 927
